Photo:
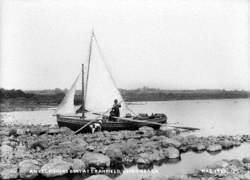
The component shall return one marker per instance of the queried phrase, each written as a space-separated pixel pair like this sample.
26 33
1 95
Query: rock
143 159
156 156
98 177
246 176
12 132
170 142
247 166
6 150
79 145
80 142
65 130
157 138
28 169
21 151
113 152
42 144
76 148
161 177
56 167
37 131
78 164
132 144
147 131
4 133
13 143
235 162
199 147
246 160
123 147
90 148
65 144
9 172
20 132
149 145
214 148
96 159
172 153
236 143
165 130
218 165
226 144
6 153
184 148
53 131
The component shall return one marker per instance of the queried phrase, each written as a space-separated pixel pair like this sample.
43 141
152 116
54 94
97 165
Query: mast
89 57
83 100
85 93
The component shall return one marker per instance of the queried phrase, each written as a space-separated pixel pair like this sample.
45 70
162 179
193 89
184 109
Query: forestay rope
109 72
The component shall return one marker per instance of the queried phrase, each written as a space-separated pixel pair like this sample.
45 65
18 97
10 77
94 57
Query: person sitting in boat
115 111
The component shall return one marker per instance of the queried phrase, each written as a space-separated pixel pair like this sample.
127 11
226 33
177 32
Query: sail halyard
101 87
125 106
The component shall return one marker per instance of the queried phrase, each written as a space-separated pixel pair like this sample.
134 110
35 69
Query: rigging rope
89 57
104 61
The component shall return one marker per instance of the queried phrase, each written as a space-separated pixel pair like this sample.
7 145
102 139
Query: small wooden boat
76 123
98 93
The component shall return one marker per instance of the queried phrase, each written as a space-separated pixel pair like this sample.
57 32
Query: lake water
213 117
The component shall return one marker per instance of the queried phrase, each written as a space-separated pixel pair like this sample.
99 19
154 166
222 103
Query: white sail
101 90
67 104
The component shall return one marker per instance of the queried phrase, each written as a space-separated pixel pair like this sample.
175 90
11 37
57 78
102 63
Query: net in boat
67 104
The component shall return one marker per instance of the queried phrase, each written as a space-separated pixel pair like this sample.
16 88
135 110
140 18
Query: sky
167 44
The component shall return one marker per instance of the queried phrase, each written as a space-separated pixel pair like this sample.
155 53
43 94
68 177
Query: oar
185 127
155 123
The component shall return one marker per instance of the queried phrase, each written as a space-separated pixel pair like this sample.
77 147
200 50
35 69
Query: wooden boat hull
75 123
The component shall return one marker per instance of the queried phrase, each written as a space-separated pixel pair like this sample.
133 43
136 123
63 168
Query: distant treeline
19 96
54 96
149 94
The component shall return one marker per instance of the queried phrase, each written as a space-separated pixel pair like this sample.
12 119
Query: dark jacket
115 111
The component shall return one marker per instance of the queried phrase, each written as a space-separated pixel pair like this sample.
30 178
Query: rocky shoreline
43 151
221 170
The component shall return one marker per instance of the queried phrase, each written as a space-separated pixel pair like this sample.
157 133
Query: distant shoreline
6 106
144 102
17 100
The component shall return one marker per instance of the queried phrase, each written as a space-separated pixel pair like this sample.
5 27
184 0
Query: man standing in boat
115 111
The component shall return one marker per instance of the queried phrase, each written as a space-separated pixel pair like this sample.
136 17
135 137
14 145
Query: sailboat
99 91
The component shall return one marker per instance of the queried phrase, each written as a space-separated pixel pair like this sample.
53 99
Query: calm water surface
213 117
